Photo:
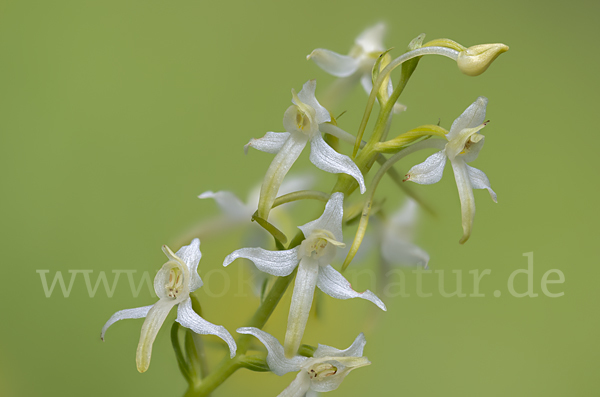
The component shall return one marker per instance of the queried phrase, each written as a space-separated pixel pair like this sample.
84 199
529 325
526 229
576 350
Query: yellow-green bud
476 59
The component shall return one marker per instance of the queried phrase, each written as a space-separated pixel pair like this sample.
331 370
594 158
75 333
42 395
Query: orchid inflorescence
308 259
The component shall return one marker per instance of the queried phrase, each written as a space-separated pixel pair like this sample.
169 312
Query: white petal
367 82
480 181
473 116
302 297
327 159
187 317
276 263
191 255
402 252
430 171
403 221
229 203
355 349
298 387
307 96
330 220
465 193
335 285
272 142
279 167
334 63
138 312
371 39
154 320
311 393
278 363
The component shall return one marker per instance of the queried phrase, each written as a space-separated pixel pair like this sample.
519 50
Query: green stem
265 310
260 318
214 380
300 195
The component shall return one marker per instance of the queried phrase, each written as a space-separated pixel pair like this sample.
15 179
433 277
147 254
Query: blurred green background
115 115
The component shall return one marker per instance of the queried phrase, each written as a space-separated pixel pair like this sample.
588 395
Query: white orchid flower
397 234
464 144
358 64
173 284
323 372
313 257
301 121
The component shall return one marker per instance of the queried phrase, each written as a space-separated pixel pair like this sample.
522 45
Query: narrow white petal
327 159
429 171
465 193
187 317
335 285
191 255
276 263
302 297
299 386
480 181
279 167
138 312
355 349
278 363
330 220
334 63
154 320
229 203
473 116
371 39
272 142
307 96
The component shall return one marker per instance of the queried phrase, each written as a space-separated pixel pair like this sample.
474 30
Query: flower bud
476 59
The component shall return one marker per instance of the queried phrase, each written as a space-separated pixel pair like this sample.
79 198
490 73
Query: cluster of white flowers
309 257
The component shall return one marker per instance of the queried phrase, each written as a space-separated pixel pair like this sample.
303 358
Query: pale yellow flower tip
476 59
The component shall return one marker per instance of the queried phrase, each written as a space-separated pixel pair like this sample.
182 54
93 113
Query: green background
115 115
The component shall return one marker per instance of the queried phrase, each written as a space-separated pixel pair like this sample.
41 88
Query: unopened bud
475 60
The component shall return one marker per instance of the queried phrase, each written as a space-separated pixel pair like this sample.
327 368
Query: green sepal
445 43
377 65
306 350
181 361
276 233
410 137
254 362
192 355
